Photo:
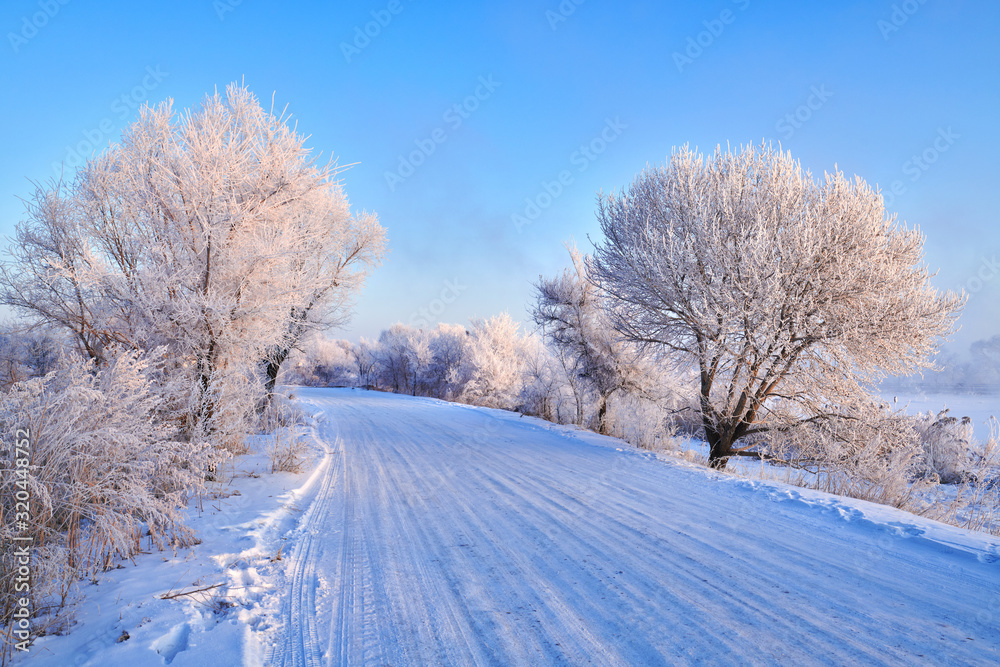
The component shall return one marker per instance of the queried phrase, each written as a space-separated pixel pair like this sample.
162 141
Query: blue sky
556 102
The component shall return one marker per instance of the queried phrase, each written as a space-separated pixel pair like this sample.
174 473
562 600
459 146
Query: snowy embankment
436 533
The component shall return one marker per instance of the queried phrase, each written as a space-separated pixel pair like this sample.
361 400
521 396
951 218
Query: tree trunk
272 366
578 401
202 417
719 448
271 369
602 412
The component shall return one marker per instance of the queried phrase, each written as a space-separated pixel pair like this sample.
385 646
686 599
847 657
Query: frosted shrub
866 451
103 474
980 502
973 497
947 447
640 421
279 437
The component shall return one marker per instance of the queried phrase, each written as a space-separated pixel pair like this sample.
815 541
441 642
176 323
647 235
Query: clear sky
555 103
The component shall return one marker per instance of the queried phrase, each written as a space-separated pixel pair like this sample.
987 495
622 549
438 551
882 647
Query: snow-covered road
435 533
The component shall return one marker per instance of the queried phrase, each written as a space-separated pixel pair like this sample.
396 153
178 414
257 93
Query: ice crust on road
446 534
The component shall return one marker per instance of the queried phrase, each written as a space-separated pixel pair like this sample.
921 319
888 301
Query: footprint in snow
172 643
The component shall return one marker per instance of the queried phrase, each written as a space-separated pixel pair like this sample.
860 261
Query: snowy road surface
437 534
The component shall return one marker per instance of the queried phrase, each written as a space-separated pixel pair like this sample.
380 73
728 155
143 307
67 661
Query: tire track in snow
360 585
300 638
588 541
742 591
410 569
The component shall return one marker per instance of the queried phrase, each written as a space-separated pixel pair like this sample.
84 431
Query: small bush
866 451
947 447
640 421
278 428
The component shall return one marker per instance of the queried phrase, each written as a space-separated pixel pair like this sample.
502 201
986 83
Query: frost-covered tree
365 356
404 355
449 346
336 256
495 363
788 293
210 232
571 315
321 362
549 391
47 277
